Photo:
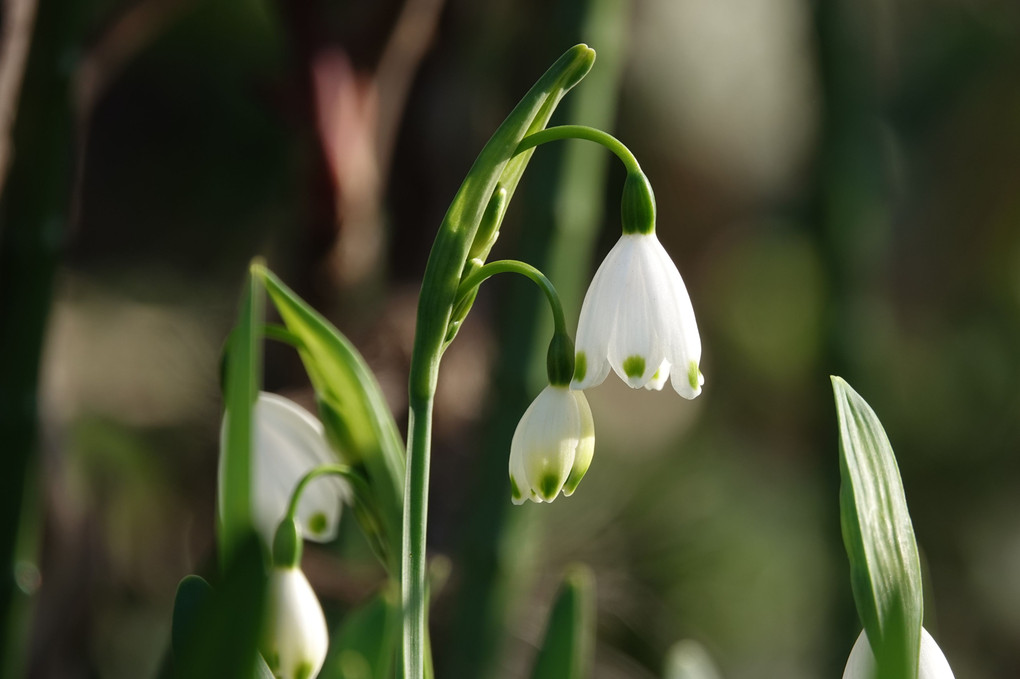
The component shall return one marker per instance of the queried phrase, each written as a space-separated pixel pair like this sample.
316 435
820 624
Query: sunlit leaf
353 409
566 652
885 571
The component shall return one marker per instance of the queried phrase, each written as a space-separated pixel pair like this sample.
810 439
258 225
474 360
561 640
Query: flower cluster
636 318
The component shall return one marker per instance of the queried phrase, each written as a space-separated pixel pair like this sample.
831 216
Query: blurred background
837 181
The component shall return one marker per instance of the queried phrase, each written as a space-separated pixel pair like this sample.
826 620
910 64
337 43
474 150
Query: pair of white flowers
638 320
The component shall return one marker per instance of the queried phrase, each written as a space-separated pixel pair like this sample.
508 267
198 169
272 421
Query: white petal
659 377
599 310
296 637
679 329
932 663
635 349
585 443
288 443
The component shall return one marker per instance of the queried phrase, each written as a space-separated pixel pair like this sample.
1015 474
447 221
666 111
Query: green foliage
242 371
885 571
352 407
365 645
567 650
216 630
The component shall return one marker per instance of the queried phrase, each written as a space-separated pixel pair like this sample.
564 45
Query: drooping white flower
932 663
637 317
296 639
287 443
552 446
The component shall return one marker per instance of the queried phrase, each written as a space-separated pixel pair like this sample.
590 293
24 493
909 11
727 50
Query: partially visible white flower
296 639
287 443
637 317
932 663
552 446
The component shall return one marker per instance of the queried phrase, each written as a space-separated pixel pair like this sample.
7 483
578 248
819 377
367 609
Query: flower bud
296 639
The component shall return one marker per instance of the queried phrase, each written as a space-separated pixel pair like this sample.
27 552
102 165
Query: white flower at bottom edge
552 446
637 318
287 443
296 638
932 664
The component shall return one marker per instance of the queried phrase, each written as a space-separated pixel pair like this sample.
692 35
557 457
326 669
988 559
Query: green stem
416 511
355 479
478 276
582 132
280 333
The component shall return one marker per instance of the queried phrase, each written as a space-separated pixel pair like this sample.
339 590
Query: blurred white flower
637 318
932 663
287 443
296 638
552 446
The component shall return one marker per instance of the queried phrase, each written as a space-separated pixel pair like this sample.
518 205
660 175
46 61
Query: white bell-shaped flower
637 317
296 638
288 442
552 446
932 663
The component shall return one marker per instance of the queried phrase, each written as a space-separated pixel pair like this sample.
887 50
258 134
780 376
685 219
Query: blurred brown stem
19 15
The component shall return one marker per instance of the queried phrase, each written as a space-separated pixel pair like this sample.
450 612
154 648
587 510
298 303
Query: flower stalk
498 167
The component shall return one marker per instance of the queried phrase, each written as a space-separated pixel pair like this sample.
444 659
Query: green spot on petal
694 376
634 366
515 492
580 366
549 485
303 671
317 523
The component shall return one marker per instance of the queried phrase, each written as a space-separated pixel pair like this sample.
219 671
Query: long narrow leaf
242 377
885 571
566 652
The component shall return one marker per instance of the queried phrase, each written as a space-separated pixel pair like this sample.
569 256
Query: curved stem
582 132
352 476
478 276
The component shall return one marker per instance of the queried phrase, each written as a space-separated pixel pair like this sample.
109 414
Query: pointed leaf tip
878 535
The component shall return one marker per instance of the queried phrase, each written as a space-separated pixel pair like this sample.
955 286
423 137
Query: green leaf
365 645
242 377
353 409
193 593
885 571
262 670
216 630
567 650
688 659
